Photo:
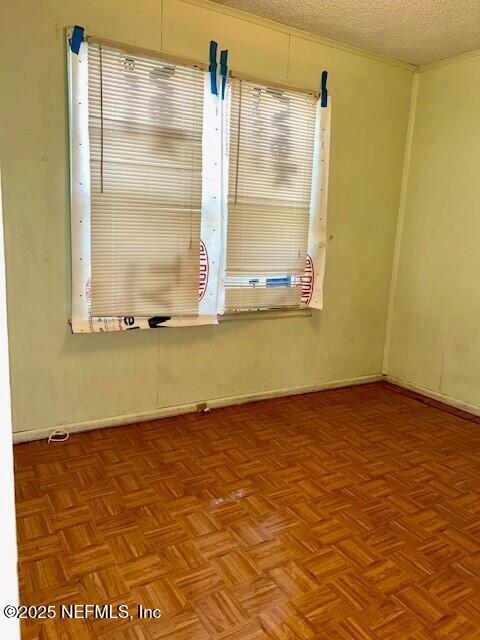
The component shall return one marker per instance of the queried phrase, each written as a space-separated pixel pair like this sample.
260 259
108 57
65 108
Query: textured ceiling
416 31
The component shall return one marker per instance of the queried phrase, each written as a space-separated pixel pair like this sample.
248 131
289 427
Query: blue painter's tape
76 39
324 92
284 281
213 67
224 69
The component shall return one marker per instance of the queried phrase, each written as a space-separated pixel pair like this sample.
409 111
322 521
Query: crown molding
298 33
468 55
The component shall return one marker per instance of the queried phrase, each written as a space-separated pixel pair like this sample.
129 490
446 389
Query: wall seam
400 220
161 25
288 57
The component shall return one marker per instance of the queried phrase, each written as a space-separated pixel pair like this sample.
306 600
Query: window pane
145 130
272 135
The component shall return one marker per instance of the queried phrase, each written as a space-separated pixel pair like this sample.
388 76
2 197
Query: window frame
80 198
294 280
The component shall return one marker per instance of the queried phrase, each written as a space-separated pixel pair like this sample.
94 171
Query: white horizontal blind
145 130
270 175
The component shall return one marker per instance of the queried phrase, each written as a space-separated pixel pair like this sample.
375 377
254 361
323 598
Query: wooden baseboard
26 435
435 395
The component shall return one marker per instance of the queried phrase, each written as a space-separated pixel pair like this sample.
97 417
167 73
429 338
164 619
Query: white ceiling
416 31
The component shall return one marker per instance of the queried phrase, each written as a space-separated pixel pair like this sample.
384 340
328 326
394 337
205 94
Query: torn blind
272 133
145 135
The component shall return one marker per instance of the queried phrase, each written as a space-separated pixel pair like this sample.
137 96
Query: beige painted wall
435 320
59 378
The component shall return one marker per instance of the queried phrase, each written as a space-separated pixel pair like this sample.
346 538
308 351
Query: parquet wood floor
346 514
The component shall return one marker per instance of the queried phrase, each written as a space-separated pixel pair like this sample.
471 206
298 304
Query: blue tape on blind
213 67
324 92
223 69
77 38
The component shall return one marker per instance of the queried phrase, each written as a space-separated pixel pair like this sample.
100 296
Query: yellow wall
435 320
59 378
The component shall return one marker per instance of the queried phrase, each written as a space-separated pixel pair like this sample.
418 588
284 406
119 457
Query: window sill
268 314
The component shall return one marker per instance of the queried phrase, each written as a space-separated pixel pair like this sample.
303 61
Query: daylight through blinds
145 133
270 175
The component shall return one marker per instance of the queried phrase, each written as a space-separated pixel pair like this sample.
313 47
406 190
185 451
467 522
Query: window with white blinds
187 202
272 134
145 134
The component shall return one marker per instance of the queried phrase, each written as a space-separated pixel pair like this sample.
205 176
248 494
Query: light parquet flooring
346 514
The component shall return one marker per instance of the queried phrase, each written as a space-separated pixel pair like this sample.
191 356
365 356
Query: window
271 154
145 134
185 205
